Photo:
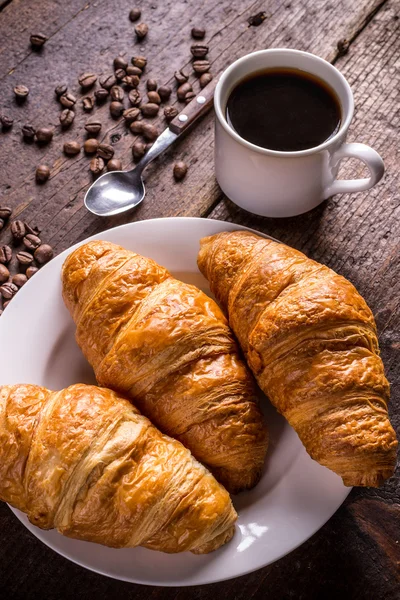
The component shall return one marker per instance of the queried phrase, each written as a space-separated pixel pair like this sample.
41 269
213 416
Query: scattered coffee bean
88 103
164 92
131 114
5 212
96 165
90 146
139 61
182 90
61 89
150 109
21 92
105 151
43 254
107 81
198 33
4 274
120 63
71 148
5 254
31 241
141 31
114 165
201 66
134 71
154 97
131 81
189 97
18 230
343 46
120 74
31 271
6 122
180 170
37 40
68 100
151 85
149 132
136 127
101 95
28 132
19 280
42 173
180 77
8 290
205 79
257 19
66 117
24 258
44 135
1 224
170 112
138 150
134 14
134 97
116 109
93 127
87 80
199 50
117 93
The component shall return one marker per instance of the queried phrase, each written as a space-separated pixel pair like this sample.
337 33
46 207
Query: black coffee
284 109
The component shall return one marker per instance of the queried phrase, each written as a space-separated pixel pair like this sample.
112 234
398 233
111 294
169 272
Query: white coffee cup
285 184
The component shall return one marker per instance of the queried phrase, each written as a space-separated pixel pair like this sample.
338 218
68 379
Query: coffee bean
71 148
21 92
134 97
136 127
139 61
141 31
28 132
120 63
189 97
154 97
90 146
134 14
131 81
138 150
19 280
117 93
131 114
31 241
24 258
66 117
256 20
87 80
93 127
96 165
43 254
4 274
107 81
1 224
116 109
205 79
61 89
149 132
5 212
198 33
180 170
150 109
182 90
37 40
199 50
170 112
18 230
35 230
42 173
88 103
44 135
114 165
68 100
180 77
8 290
134 71
30 272
101 95
120 74
105 151
164 92
5 254
151 85
201 66
6 122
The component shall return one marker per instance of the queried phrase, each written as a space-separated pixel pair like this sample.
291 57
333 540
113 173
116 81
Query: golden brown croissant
168 346
86 462
310 340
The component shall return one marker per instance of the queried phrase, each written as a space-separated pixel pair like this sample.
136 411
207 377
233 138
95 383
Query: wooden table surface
357 553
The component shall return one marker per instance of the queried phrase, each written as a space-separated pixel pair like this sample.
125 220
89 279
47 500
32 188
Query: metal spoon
119 191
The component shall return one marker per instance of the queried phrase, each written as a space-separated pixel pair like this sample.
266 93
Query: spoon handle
195 109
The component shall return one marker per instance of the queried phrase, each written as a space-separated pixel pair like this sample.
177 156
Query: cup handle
369 157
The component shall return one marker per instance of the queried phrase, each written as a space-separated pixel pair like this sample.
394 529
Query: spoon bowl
115 192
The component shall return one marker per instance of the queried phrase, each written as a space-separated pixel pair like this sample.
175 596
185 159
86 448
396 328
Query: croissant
86 462
167 345
311 342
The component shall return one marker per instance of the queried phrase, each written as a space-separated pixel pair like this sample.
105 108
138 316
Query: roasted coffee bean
87 80
199 50
61 89
205 79
120 74
134 14
43 254
1 224
117 93
37 40
114 165
107 81
170 112
151 85
42 173
66 117
31 271
90 146
182 90
150 109
5 254
105 151
180 170
154 97
71 148
19 280
131 81
31 241
24 258
139 61
21 92
101 95
68 100
131 114
141 31
116 109
189 97
88 103
180 77
164 92
136 127
198 33
18 230
134 71
96 165
8 290
6 122
44 135
201 66
134 97
5 212
138 150
120 63
35 230
149 132
28 132
4 274
93 127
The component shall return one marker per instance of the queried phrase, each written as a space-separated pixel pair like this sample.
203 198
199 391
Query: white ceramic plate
295 497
